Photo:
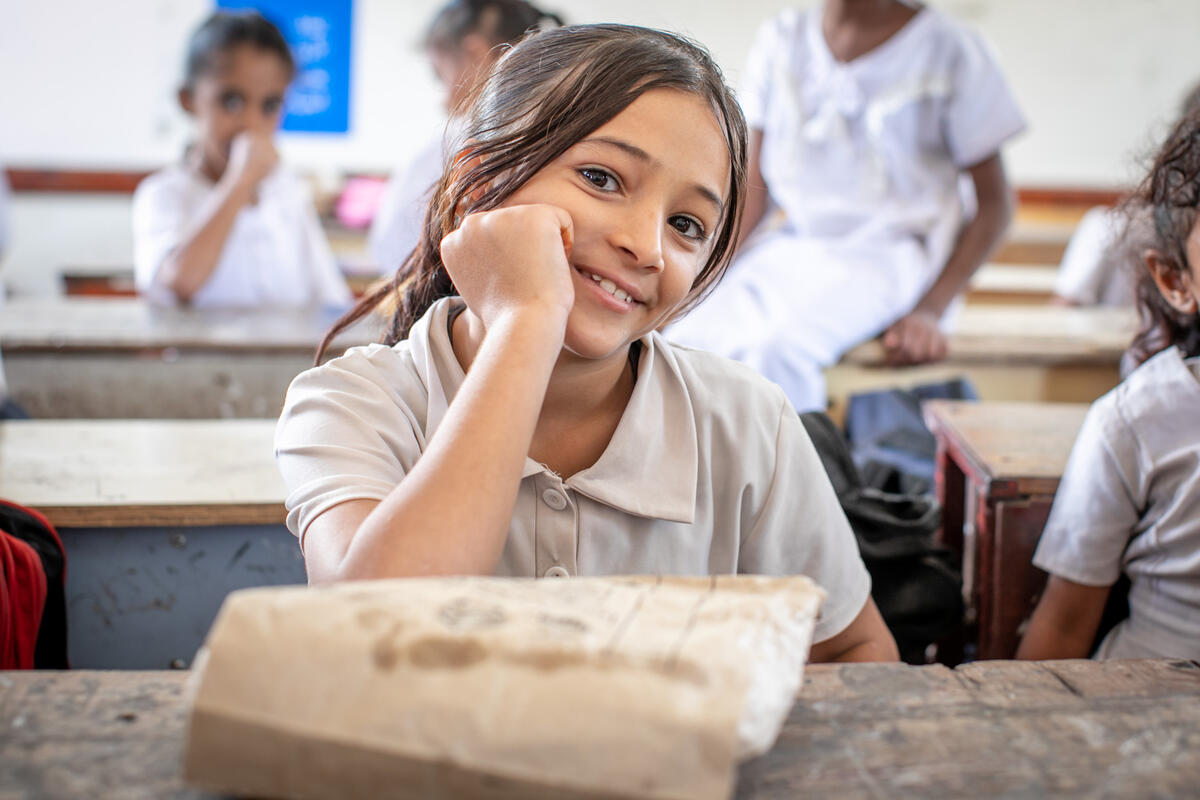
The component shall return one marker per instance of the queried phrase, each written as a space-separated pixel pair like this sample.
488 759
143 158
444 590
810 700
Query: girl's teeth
611 288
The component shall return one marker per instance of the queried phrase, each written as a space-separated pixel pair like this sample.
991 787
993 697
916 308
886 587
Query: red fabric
22 598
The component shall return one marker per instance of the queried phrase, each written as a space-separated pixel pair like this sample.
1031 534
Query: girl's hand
252 156
511 260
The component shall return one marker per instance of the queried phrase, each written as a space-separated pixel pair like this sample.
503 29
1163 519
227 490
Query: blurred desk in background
114 357
160 519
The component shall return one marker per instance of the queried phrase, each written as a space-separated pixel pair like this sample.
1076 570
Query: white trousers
791 306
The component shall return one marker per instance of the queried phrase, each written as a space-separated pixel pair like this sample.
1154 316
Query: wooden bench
988 729
160 520
80 357
1036 353
1012 284
998 467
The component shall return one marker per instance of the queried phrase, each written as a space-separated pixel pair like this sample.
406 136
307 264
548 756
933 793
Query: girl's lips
593 287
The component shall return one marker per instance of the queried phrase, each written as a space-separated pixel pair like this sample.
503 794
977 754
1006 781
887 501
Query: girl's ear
1175 285
186 100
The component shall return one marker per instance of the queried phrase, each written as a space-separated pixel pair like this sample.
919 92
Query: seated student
463 41
1095 268
524 417
1129 500
228 226
864 117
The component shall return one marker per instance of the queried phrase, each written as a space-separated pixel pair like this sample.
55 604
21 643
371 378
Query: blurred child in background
228 225
464 39
866 116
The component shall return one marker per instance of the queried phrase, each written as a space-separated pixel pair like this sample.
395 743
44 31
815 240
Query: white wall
92 85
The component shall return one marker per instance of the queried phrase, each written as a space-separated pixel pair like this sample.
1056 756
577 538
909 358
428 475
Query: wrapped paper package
492 687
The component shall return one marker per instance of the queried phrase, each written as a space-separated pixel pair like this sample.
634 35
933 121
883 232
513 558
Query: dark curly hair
1166 203
548 93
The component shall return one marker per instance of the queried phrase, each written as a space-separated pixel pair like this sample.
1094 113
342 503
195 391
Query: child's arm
916 338
189 266
756 189
867 638
451 513
1065 622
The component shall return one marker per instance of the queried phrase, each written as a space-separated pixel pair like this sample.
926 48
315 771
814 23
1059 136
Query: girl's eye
689 228
232 101
601 179
271 105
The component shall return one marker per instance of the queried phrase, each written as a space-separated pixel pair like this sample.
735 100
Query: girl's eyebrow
643 156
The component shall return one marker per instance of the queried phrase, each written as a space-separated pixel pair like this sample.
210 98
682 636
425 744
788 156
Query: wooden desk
160 520
88 357
998 467
988 729
1013 284
1027 353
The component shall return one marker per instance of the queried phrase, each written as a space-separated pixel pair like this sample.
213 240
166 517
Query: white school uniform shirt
276 253
710 471
1096 269
396 228
871 151
1129 501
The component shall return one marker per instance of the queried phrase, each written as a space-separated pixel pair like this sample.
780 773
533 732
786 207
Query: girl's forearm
192 263
451 514
977 240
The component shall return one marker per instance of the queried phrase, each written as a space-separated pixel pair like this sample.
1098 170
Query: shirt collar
649 469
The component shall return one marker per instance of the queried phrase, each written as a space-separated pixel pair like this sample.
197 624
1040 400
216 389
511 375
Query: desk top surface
1028 334
122 323
110 473
1027 443
1018 729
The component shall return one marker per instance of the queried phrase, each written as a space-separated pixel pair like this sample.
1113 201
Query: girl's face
646 193
242 92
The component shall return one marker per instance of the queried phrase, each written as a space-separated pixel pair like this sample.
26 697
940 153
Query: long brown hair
1167 201
545 95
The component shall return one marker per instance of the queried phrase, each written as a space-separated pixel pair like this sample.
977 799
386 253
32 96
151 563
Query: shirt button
557 572
554 499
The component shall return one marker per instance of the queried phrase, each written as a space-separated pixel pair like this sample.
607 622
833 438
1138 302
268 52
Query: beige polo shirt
710 470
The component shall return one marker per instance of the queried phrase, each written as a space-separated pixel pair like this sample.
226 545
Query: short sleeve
755 85
350 429
1098 502
1087 264
801 530
160 214
982 113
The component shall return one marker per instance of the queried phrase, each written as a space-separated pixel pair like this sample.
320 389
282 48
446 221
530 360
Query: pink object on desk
359 200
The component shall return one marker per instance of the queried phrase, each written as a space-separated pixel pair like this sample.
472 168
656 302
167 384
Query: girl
536 425
463 40
865 116
229 226
1129 500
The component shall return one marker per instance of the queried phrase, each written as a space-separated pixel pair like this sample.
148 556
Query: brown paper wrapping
490 687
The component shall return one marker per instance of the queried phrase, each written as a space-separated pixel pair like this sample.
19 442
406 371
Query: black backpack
915 583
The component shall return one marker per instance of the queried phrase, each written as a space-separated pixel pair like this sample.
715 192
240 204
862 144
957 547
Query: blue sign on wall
318 31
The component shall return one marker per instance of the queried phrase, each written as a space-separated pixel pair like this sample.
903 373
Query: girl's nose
638 233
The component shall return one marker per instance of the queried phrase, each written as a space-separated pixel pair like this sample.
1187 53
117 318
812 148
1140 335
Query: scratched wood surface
987 729
109 473
1026 443
122 323
1029 334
